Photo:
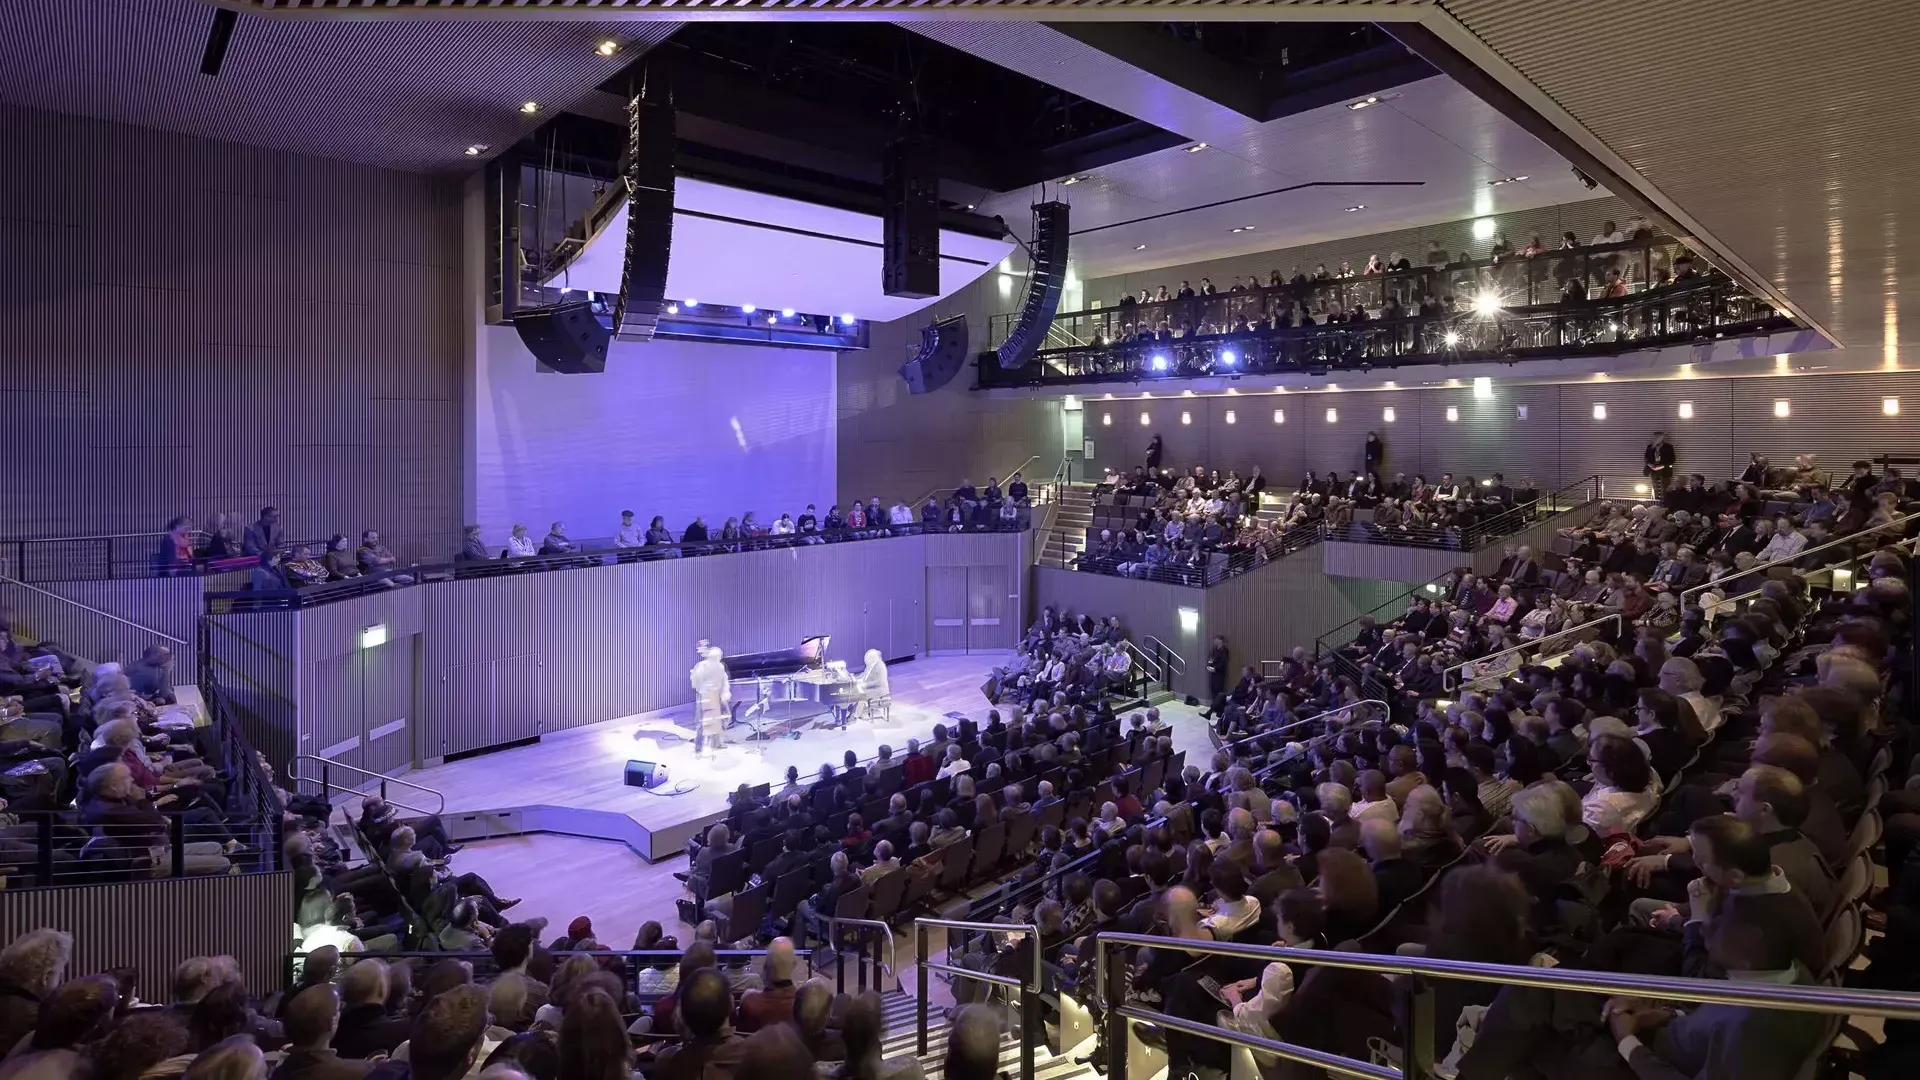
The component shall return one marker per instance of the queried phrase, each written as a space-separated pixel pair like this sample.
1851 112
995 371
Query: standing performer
713 697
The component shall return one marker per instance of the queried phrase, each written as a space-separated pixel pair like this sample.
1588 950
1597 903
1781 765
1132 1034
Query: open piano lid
810 653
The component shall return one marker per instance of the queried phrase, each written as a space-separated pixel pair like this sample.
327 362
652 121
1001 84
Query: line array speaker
943 352
565 337
1044 283
649 178
910 222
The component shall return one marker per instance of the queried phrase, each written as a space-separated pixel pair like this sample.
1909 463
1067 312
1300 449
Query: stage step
903 1040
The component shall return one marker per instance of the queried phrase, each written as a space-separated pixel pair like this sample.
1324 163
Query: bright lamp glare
1486 303
747 309
846 319
690 303
1890 406
1158 362
786 313
1452 338
1482 388
1228 357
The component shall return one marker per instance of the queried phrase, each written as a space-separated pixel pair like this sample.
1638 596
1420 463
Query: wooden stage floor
571 781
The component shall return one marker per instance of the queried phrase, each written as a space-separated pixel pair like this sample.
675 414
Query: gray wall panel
245 916
1558 442
170 606
899 445
312 306
254 658
1266 612
1386 562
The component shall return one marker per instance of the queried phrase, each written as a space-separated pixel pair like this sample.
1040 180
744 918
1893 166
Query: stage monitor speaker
649 179
565 337
943 352
1048 277
645 774
910 222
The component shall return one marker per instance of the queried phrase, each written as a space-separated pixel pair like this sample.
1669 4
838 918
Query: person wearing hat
580 929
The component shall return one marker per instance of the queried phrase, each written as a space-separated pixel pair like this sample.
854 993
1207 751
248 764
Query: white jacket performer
713 696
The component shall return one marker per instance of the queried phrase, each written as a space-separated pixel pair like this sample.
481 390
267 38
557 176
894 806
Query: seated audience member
472 547
773 1002
339 559
519 544
311 1020
1622 794
1395 876
705 1016
374 556
862 1028
556 542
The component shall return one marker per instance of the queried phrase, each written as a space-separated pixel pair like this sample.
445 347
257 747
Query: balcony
1508 310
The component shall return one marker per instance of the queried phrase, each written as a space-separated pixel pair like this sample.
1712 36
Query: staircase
902 1026
1068 536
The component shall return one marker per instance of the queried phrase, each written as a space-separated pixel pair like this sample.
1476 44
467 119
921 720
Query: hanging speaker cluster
649 179
910 222
1044 283
943 352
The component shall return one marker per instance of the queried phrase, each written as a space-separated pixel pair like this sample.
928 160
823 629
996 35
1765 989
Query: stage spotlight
1158 362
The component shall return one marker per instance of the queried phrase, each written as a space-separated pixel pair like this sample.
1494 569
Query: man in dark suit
365 1029
1272 874
1396 876
311 1020
1217 669
265 534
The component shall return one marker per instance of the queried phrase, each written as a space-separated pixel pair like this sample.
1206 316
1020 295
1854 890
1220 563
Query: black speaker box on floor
943 352
645 774
565 337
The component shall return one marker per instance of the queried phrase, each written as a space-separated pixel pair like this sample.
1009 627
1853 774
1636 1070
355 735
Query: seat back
988 844
749 911
764 852
729 873
957 861
888 890
1844 934
1882 761
918 886
1020 832
1054 814
1150 779
1866 833
1854 882
793 887
852 904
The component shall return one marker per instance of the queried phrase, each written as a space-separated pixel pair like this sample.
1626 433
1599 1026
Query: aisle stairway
903 1035
1068 535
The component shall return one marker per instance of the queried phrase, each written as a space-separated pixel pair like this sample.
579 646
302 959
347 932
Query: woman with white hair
1427 834
31 966
135 831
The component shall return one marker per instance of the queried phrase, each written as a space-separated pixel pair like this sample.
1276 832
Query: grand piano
776 692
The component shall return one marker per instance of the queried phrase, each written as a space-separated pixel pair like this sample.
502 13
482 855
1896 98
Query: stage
571 782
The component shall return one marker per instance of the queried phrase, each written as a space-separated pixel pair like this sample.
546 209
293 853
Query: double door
492 703
970 609
362 708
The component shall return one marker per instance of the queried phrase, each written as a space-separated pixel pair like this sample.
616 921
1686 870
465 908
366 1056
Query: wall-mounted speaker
649 178
910 221
943 352
1048 277
565 337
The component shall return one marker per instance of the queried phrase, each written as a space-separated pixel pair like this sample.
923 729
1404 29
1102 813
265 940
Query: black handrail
1239 560
1674 314
1372 289
1580 493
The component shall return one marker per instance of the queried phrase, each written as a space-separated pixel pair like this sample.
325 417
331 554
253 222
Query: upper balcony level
1600 300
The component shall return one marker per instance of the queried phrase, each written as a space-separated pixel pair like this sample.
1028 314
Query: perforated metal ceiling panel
404 95
1773 123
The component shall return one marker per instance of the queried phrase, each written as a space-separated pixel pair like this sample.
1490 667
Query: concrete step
901 1013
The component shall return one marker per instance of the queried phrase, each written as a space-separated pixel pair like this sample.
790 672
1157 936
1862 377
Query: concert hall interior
612 539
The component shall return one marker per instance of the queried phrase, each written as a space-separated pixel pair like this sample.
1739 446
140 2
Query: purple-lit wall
672 428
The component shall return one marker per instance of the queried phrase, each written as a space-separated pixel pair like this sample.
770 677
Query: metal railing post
1030 1025
43 849
920 977
177 838
1115 1034
1414 1012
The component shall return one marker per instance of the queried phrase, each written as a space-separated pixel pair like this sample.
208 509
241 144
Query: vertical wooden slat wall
196 326
245 916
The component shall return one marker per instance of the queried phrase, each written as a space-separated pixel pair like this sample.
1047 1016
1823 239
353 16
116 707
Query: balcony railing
1521 281
1700 308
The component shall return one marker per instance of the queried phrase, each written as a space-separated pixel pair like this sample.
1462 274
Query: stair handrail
1852 538
835 922
1175 662
1429 588
1415 998
1385 706
1029 991
1147 663
91 610
1022 467
325 780
1449 674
